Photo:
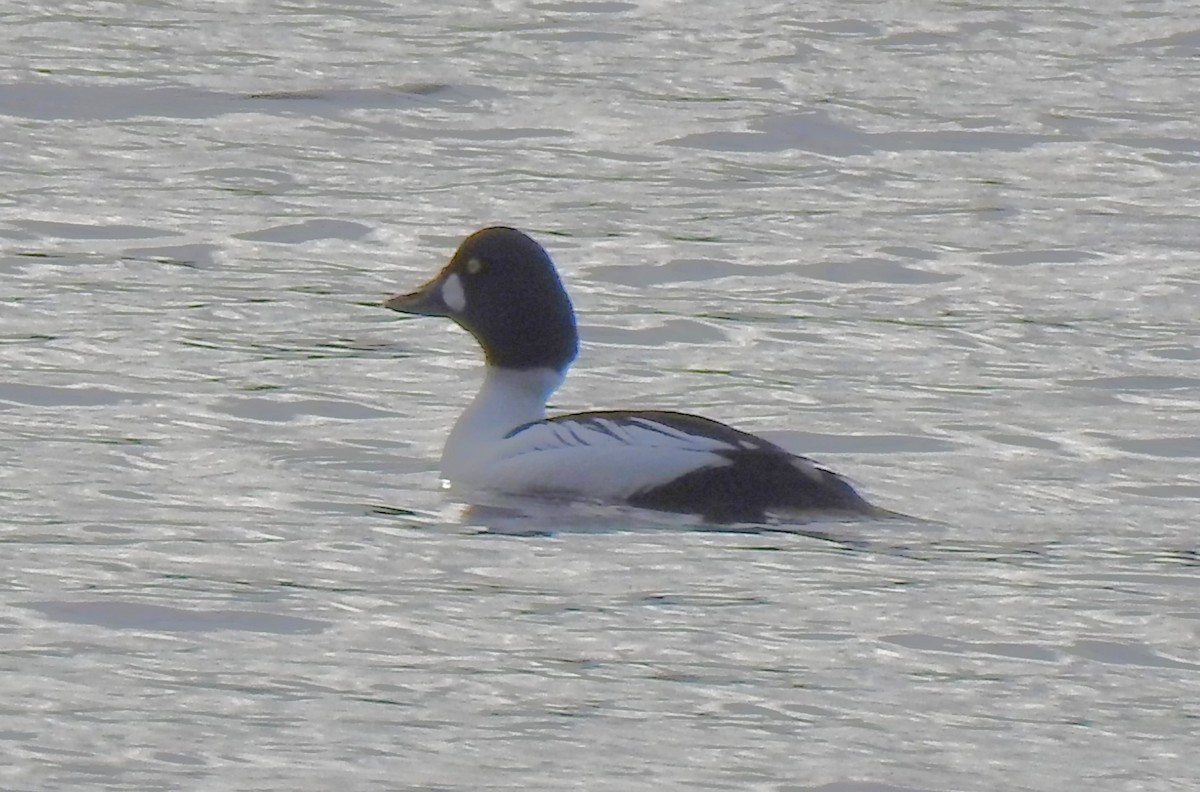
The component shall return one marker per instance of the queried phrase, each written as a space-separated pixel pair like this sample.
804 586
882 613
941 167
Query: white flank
601 457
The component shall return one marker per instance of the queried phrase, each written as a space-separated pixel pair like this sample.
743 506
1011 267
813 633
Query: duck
502 287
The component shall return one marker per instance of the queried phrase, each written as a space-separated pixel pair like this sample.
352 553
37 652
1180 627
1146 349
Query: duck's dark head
501 286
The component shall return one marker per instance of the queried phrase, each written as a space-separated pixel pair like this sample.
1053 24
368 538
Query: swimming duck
503 289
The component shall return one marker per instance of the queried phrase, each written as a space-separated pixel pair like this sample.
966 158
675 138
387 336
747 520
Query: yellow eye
474 266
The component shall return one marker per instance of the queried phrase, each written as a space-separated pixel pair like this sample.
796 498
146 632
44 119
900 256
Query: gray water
949 250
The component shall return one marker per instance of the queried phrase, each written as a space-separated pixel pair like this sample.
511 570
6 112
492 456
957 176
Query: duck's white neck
507 399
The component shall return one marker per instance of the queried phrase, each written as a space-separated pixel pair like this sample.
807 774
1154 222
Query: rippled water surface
947 249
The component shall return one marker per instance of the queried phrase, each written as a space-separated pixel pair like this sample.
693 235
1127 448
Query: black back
756 483
761 477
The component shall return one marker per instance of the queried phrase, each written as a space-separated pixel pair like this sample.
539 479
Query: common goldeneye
502 288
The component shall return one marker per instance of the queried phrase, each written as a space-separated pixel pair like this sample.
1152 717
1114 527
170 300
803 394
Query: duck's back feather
668 461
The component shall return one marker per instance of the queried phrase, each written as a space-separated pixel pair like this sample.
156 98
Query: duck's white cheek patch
453 294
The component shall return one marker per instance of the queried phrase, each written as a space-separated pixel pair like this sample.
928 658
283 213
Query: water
948 250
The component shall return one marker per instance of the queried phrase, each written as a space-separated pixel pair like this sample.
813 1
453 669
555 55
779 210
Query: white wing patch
602 457
596 433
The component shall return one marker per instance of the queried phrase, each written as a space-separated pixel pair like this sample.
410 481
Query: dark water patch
1165 491
383 510
816 132
678 271
250 181
196 256
91 231
64 396
117 615
316 351
689 600
671 331
1175 352
502 133
932 643
321 350
361 96
913 39
1145 382
813 131
1020 258
1187 447
856 28
1185 44
576 36
970 141
1024 441
587 7
903 251
278 411
1163 149
812 443
851 786
872 270
798 52
1147 582
308 231
32 338
47 101
352 457
1131 654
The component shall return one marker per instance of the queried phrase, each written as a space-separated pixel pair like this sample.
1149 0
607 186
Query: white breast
507 399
